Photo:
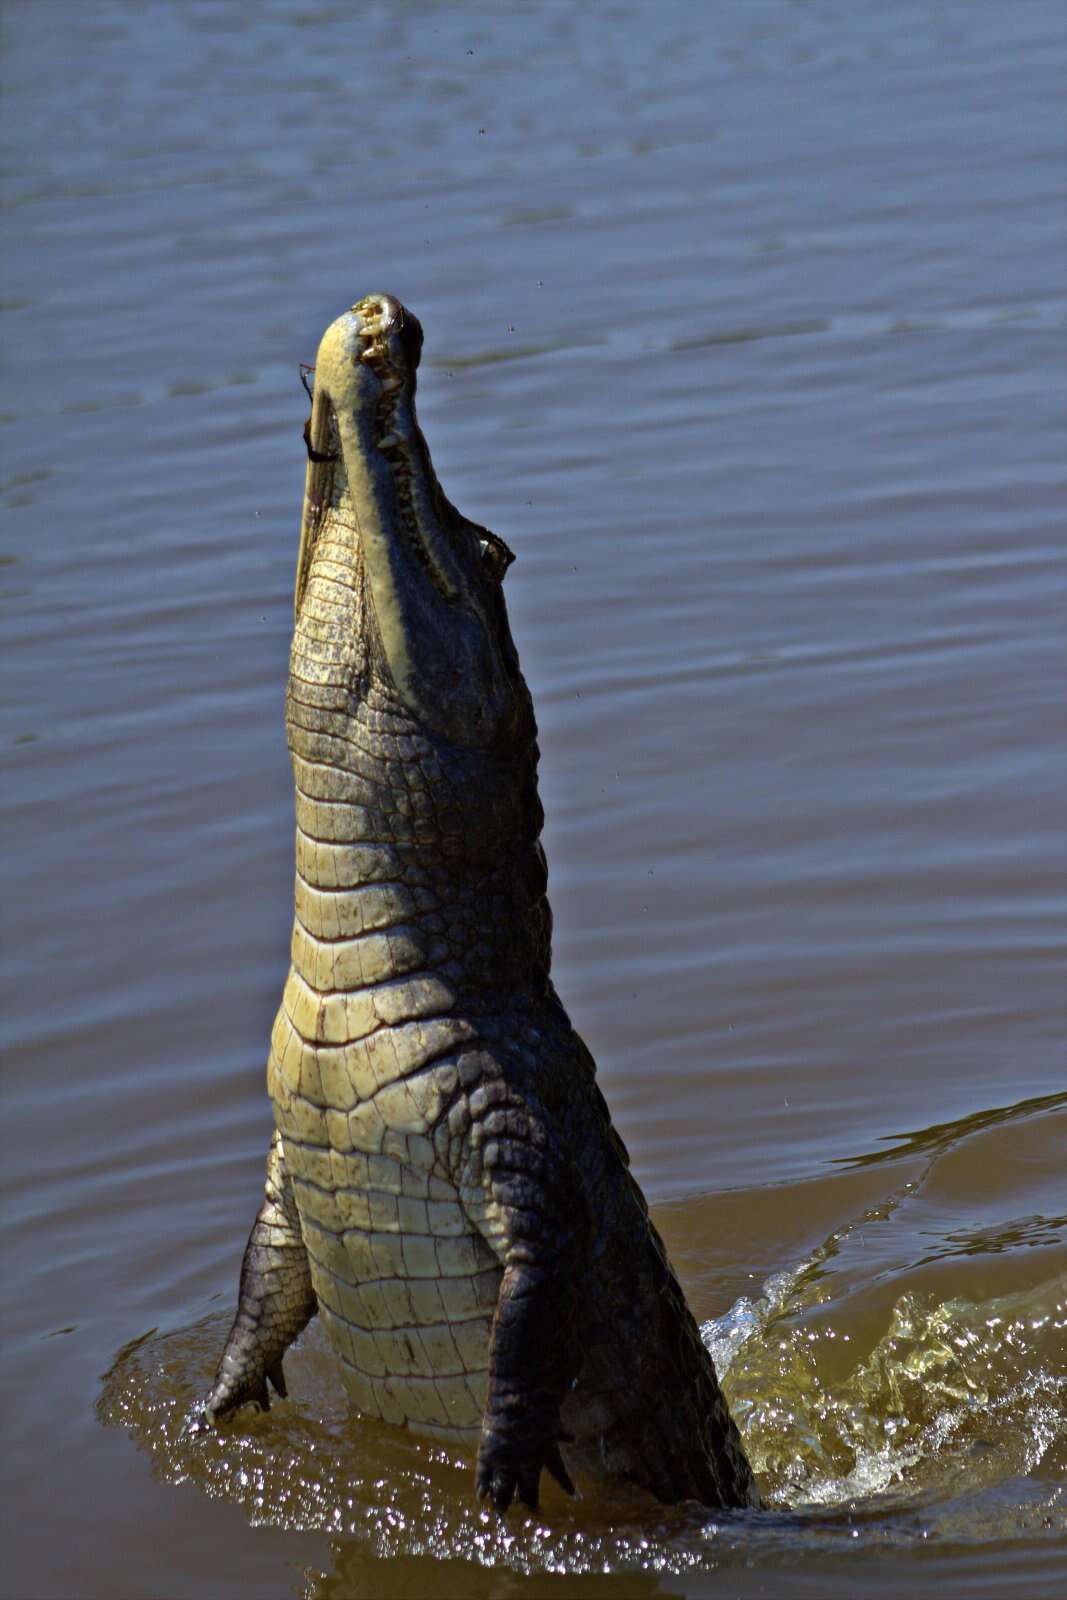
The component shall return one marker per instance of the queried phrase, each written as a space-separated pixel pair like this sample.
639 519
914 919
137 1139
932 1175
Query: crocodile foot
511 1457
238 1385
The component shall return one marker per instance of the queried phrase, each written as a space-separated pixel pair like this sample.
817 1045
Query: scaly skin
476 1246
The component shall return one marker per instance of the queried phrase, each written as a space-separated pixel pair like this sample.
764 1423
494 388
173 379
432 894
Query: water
746 331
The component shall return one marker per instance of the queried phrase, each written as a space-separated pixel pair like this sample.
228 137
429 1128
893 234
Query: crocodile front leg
276 1300
520 1192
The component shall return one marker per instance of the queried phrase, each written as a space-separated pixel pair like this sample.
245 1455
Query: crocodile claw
229 1392
506 1469
554 1465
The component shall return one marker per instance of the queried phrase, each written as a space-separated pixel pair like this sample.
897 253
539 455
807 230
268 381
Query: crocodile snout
391 333
381 313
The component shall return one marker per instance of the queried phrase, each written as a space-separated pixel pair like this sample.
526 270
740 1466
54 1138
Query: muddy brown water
745 328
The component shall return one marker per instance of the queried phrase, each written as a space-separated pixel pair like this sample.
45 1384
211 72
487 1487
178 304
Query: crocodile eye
496 557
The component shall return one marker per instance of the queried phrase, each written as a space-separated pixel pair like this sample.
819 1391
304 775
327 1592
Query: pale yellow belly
406 1290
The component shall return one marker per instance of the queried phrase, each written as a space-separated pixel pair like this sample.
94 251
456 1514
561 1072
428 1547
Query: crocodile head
432 578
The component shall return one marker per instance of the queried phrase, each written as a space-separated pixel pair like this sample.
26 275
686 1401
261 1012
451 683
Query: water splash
950 1425
955 1396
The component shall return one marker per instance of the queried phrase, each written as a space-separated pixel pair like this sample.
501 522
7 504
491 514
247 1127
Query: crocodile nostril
380 313
390 314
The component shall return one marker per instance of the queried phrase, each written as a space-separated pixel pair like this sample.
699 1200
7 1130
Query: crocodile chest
405 1288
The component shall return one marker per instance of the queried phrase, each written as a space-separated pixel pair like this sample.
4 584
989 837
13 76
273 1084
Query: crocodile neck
413 857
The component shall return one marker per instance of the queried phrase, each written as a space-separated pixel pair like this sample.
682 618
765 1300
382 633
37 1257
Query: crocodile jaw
432 576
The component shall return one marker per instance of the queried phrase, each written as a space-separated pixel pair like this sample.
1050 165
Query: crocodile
445 1187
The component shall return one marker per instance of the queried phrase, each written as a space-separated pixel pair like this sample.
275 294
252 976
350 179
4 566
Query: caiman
445 1187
